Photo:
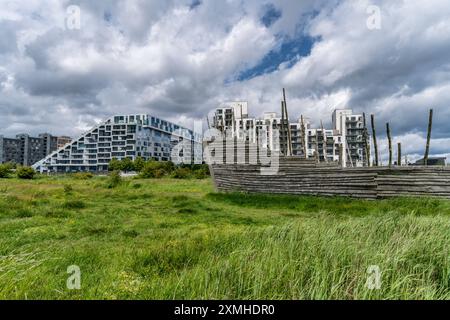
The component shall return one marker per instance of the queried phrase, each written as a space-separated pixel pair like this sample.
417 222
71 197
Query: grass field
177 239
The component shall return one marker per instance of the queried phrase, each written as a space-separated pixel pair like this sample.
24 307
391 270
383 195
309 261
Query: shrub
4 171
83 175
138 164
200 174
68 189
25 173
148 171
182 173
126 165
10 165
114 165
153 169
167 166
159 173
114 179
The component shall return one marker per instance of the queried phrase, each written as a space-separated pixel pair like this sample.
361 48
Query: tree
138 164
126 165
114 165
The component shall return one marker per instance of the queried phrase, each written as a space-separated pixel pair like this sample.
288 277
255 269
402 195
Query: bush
200 174
83 175
114 165
126 165
114 179
68 189
201 171
4 171
182 173
148 171
138 164
167 166
203 167
153 169
159 173
10 165
25 173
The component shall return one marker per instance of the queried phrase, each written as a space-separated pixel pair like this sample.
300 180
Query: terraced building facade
124 136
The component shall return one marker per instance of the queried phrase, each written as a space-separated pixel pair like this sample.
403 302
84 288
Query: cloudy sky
180 59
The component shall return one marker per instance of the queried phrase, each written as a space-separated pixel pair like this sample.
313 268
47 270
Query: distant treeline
22 172
159 169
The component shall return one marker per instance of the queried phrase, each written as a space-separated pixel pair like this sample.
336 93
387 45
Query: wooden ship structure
310 176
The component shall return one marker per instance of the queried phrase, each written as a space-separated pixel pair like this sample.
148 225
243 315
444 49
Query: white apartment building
230 116
325 144
350 127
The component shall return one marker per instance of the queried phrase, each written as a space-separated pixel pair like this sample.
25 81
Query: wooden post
324 144
366 140
289 138
282 131
388 132
375 145
316 155
427 148
242 119
349 153
304 138
399 154
233 126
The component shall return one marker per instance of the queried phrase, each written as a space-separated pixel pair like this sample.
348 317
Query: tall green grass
321 259
176 239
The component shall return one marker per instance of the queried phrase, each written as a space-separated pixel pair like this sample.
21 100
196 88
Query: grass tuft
74 204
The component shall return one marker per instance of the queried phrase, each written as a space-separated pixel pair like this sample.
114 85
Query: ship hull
306 177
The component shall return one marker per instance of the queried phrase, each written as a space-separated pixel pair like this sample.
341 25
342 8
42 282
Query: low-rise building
432 161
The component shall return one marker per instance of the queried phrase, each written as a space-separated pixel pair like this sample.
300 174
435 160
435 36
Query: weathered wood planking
301 176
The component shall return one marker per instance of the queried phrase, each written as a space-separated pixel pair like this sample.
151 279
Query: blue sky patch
290 51
107 16
271 15
195 4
